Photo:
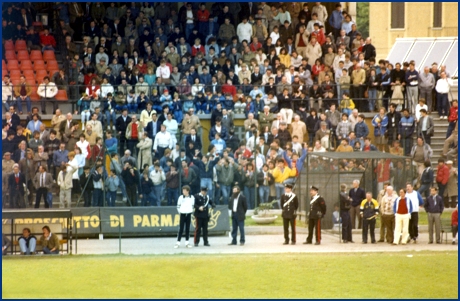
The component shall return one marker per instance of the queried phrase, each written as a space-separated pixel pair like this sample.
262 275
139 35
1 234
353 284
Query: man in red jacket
453 117
454 225
47 41
442 176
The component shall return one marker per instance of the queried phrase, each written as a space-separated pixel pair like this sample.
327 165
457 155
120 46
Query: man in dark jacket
317 212
393 124
357 195
121 124
202 204
131 178
16 185
86 183
434 206
345 206
238 206
289 206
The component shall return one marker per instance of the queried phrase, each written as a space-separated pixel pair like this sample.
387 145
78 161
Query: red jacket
48 40
455 218
203 15
453 114
195 50
442 175
226 88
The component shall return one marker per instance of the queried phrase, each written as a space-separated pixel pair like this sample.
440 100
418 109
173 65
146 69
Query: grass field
350 275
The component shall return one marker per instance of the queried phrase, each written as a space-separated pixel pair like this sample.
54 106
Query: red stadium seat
51 65
10 55
15 82
20 45
13 65
34 96
3 65
36 55
15 74
9 45
61 95
48 55
26 65
40 74
28 72
39 65
23 55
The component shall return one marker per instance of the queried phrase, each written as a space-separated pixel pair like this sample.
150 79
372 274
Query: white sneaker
113 127
188 245
108 127
83 126
176 245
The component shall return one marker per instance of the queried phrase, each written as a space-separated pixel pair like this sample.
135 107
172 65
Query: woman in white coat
145 151
185 205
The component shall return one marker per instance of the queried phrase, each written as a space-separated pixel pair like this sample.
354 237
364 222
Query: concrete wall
418 23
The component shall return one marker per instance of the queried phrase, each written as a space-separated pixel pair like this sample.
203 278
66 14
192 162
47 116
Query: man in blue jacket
406 129
357 195
361 129
335 20
434 206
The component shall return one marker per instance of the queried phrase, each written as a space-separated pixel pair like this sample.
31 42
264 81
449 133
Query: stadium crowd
140 74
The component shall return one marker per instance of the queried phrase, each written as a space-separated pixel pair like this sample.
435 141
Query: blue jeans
214 27
451 128
27 100
123 188
24 248
173 195
347 111
46 250
148 199
372 95
132 108
443 107
97 198
225 190
179 116
157 192
111 197
424 189
235 225
188 30
250 193
109 116
264 193
203 27
207 182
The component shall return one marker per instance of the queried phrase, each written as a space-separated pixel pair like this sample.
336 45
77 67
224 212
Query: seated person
49 241
27 242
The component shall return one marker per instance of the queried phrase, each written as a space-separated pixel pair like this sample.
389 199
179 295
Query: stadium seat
26 65
48 55
13 65
15 82
36 55
3 65
10 55
9 45
62 95
23 55
51 65
28 72
40 74
20 45
16 73
39 65
34 96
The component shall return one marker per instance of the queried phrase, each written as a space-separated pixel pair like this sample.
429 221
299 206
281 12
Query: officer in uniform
289 205
202 203
317 212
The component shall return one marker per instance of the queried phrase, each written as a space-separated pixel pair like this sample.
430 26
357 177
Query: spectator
405 130
49 241
27 242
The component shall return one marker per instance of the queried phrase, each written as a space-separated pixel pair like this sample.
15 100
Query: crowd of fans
139 74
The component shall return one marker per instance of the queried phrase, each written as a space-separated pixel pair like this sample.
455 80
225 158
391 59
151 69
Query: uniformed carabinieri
289 206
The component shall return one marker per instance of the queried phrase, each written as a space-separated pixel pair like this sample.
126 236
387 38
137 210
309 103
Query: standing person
16 187
442 176
238 206
387 214
112 183
121 125
434 206
357 195
345 206
158 177
42 182
202 204
425 126
27 242
406 129
317 212
369 211
86 183
172 185
49 241
185 205
442 91
454 224
130 176
426 179
451 191
402 209
417 203
65 182
98 184
289 206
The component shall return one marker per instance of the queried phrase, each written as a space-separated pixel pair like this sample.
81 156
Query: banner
86 220
156 220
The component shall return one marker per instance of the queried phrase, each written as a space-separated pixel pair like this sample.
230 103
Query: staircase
437 141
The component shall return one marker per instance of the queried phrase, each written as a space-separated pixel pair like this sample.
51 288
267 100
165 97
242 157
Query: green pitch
350 275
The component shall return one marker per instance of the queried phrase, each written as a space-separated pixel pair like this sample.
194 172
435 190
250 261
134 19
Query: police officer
317 212
202 203
289 205
345 205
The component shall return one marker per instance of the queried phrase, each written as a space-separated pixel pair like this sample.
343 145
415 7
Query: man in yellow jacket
369 210
282 175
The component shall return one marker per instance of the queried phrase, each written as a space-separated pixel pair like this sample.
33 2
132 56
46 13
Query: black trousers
366 225
122 140
185 219
346 226
201 224
87 197
132 194
42 191
413 225
286 222
314 224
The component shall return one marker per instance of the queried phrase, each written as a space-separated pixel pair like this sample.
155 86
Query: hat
449 162
287 185
7 154
204 188
314 188
154 112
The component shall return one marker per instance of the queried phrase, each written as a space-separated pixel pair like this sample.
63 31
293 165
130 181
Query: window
397 15
437 14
